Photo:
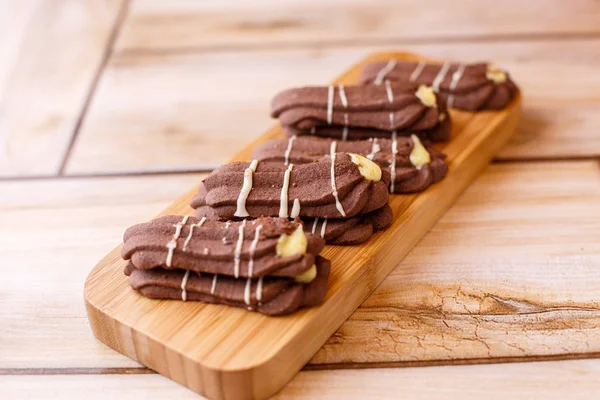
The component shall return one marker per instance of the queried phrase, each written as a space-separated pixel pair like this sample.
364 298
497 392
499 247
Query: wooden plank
158 25
179 107
50 229
572 380
92 214
510 271
50 53
246 355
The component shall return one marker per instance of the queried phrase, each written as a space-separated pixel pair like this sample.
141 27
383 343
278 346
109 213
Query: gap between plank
206 170
108 51
391 41
315 367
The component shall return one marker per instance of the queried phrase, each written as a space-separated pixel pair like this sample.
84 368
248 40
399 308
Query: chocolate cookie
350 231
412 166
351 112
471 87
340 185
245 249
267 295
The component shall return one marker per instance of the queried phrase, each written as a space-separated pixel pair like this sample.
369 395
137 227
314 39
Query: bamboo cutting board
228 353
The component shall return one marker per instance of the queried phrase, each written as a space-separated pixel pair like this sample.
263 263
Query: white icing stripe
344 100
384 71
338 204
259 289
288 151
375 148
343 97
456 77
314 227
189 236
245 191
393 163
247 291
184 284
345 131
313 130
295 209
417 71
253 249
214 284
238 250
323 228
172 245
330 104
388 90
439 78
391 121
283 201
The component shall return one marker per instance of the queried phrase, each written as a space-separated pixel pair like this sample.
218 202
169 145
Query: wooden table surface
110 109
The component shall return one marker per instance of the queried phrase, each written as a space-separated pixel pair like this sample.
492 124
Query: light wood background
109 109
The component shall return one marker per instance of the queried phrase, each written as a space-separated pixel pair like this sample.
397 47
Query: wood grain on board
227 353
573 380
159 25
194 110
50 52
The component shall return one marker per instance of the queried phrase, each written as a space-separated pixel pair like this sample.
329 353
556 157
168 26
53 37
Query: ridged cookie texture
331 187
363 111
412 165
269 265
471 87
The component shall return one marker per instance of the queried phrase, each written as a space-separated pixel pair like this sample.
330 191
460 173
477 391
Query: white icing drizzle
205 251
253 249
259 289
184 281
456 77
238 250
323 227
375 148
345 130
417 71
283 201
338 204
172 245
227 224
214 284
288 150
390 96
439 78
314 227
247 291
330 94
295 209
313 130
344 100
388 90
343 97
384 71
245 191
189 236
393 162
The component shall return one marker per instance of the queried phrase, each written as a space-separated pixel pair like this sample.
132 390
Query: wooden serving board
228 353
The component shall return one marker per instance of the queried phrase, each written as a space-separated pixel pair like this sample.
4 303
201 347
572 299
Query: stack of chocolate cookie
269 265
342 197
470 87
412 166
361 112
261 225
